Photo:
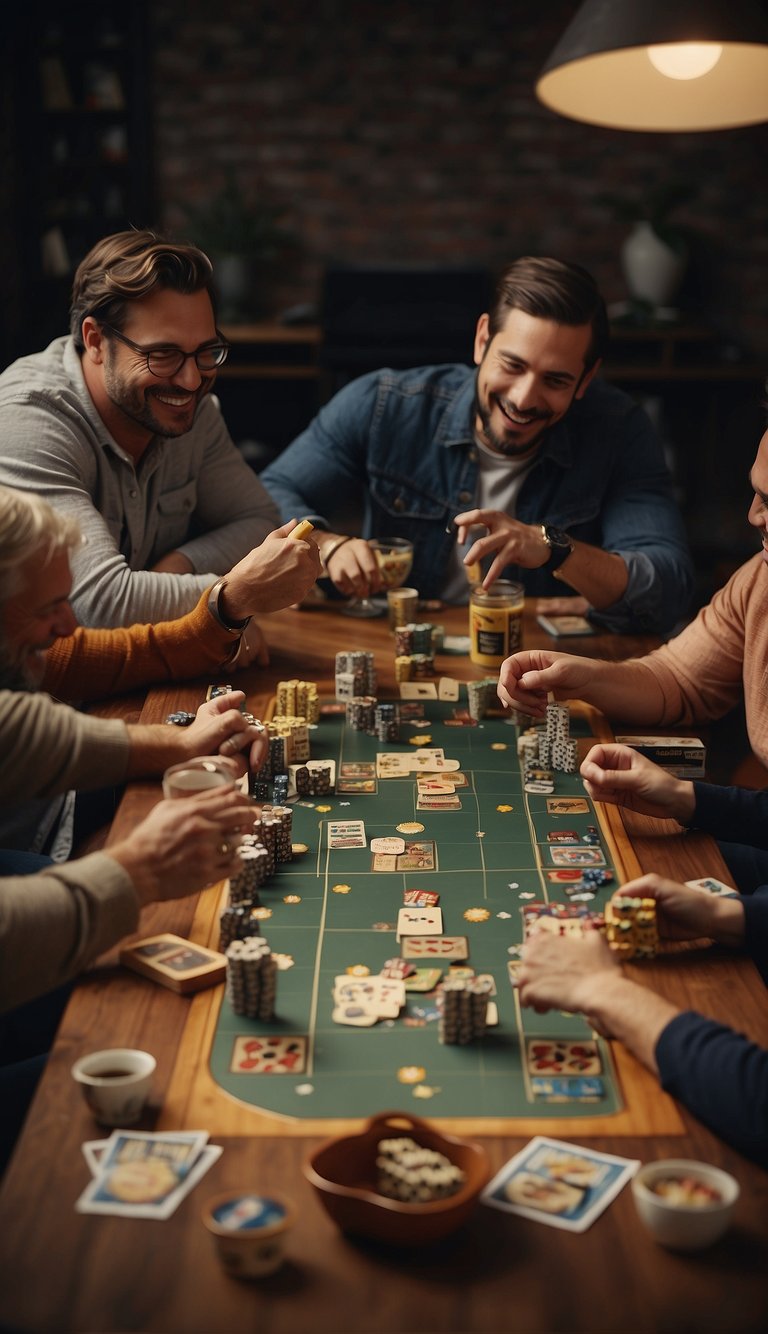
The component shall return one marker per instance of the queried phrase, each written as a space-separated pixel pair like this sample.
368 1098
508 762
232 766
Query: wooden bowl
343 1172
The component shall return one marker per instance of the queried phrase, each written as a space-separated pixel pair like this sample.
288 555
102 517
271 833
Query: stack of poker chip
361 713
528 747
387 722
355 674
416 637
251 978
235 922
462 1004
298 699
481 696
314 779
408 1172
279 818
561 751
630 926
254 870
414 667
294 732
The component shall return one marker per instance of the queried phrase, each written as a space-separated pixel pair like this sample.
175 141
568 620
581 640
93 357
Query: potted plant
243 240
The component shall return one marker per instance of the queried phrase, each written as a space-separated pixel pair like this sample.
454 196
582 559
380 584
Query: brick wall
408 131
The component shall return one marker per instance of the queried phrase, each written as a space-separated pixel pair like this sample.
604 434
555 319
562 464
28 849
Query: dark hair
552 289
127 266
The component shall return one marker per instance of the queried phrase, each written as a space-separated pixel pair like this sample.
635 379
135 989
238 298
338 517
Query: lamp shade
602 70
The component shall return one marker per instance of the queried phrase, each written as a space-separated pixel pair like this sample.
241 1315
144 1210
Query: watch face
557 538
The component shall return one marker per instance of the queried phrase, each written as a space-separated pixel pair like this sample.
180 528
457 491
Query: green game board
485 859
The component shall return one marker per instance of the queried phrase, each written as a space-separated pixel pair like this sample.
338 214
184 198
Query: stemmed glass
394 557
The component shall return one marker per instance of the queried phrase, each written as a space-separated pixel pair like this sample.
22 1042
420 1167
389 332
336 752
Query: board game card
423 979
357 769
419 922
432 947
563 1057
397 968
567 806
712 886
356 1014
563 836
346 834
421 898
145 1175
577 857
418 690
384 861
268 1055
438 801
585 1088
561 1184
563 626
418 856
392 844
447 688
356 786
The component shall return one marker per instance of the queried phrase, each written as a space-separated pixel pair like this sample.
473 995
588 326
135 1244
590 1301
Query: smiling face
529 374
134 404
32 618
758 480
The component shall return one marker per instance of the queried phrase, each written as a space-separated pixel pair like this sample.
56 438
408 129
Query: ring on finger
224 849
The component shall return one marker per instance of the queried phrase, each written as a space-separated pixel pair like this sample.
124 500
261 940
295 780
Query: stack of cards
137 1175
564 1185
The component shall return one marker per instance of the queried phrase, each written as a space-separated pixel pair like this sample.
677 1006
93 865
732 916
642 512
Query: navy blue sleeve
721 1077
735 814
756 929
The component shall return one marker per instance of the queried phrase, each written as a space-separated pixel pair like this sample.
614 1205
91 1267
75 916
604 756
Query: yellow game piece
476 915
302 528
411 1074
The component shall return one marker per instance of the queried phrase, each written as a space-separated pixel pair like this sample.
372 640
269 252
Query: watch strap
234 627
559 550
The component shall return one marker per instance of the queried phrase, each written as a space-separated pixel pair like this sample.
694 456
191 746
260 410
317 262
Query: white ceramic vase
653 270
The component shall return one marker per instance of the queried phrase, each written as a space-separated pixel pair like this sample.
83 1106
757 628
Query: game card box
175 963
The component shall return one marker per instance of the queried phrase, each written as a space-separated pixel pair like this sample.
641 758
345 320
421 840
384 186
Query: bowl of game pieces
684 1204
400 1181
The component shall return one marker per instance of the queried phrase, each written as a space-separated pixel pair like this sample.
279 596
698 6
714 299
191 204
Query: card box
175 962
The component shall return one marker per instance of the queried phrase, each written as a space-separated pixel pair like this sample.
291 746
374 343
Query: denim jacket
400 445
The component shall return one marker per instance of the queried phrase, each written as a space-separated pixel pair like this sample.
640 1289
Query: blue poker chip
181 718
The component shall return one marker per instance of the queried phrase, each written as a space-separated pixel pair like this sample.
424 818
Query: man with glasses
116 425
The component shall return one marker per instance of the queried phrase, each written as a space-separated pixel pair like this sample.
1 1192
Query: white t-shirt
498 485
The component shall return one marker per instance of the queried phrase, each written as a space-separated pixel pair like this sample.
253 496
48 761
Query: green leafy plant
654 207
230 224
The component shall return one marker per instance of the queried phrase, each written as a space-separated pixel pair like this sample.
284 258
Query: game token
340 889
358 970
323 809
411 1074
505 809
419 740
498 745
476 915
410 827
298 849
292 898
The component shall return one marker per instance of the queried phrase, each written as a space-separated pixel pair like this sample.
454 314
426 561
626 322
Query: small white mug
198 775
115 1083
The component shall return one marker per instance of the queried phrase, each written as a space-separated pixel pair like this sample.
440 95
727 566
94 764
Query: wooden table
61 1271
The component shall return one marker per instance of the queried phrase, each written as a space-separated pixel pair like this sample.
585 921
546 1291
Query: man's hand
564 972
273 575
684 913
220 728
514 543
185 844
352 567
621 775
526 678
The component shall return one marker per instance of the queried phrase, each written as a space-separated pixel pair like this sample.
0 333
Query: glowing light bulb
685 60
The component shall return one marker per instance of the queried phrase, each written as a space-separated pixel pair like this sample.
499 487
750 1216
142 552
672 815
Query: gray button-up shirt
194 494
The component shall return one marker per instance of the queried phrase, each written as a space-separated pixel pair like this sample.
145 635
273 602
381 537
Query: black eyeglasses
166 361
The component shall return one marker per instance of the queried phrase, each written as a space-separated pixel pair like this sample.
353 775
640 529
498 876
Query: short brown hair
552 289
127 266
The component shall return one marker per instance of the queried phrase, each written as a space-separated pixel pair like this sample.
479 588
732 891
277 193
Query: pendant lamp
661 65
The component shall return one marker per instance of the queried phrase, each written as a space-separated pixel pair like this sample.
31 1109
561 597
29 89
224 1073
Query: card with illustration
438 801
268 1056
576 856
419 922
435 947
346 834
146 1175
356 786
711 886
357 769
560 1184
419 855
562 1057
567 806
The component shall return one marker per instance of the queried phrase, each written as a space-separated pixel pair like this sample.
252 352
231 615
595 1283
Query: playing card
561 1184
712 886
435 947
447 688
268 1055
419 922
147 1176
576 857
418 690
562 1057
393 844
421 898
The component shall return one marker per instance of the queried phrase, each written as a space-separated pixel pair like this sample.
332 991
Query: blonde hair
30 527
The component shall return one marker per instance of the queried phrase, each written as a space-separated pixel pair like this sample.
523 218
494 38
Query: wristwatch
234 627
560 546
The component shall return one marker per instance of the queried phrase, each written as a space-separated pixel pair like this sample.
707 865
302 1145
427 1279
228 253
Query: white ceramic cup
115 1083
197 775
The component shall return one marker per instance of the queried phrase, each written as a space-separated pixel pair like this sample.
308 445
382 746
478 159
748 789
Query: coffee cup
249 1231
197 775
115 1083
